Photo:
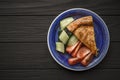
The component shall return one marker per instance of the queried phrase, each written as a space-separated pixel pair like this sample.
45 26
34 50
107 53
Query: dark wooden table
24 53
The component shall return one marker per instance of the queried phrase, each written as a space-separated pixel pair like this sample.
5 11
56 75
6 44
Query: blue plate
101 35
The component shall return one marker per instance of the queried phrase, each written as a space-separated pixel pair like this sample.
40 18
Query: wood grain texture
27 56
23 49
51 7
58 74
35 28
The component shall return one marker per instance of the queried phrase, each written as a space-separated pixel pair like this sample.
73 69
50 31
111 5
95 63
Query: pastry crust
87 36
87 20
83 29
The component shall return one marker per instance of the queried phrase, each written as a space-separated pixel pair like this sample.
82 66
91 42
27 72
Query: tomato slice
69 49
73 61
83 52
74 53
87 59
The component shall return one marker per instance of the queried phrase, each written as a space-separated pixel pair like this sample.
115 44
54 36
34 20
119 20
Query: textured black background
23 45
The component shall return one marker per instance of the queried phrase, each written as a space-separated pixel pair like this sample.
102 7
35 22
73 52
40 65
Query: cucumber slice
64 37
60 47
65 22
72 41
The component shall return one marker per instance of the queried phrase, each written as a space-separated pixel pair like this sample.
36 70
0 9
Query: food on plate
83 52
63 37
87 59
74 53
87 20
73 61
72 41
69 49
65 22
86 35
60 47
78 40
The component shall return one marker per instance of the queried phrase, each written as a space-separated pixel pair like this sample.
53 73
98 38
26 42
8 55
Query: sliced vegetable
60 47
74 53
65 22
73 61
72 41
70 49
83 52
87 59
64 37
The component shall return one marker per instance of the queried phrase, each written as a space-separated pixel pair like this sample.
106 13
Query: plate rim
87 68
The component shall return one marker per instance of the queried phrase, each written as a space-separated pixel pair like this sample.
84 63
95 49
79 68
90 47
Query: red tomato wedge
87 59
73 61
83 52
74 53
69 49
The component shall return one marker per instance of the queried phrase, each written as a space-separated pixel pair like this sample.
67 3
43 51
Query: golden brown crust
83 29
87 20
86 35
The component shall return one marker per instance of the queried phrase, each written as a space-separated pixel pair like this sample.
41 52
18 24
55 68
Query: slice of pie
83 29
87 36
